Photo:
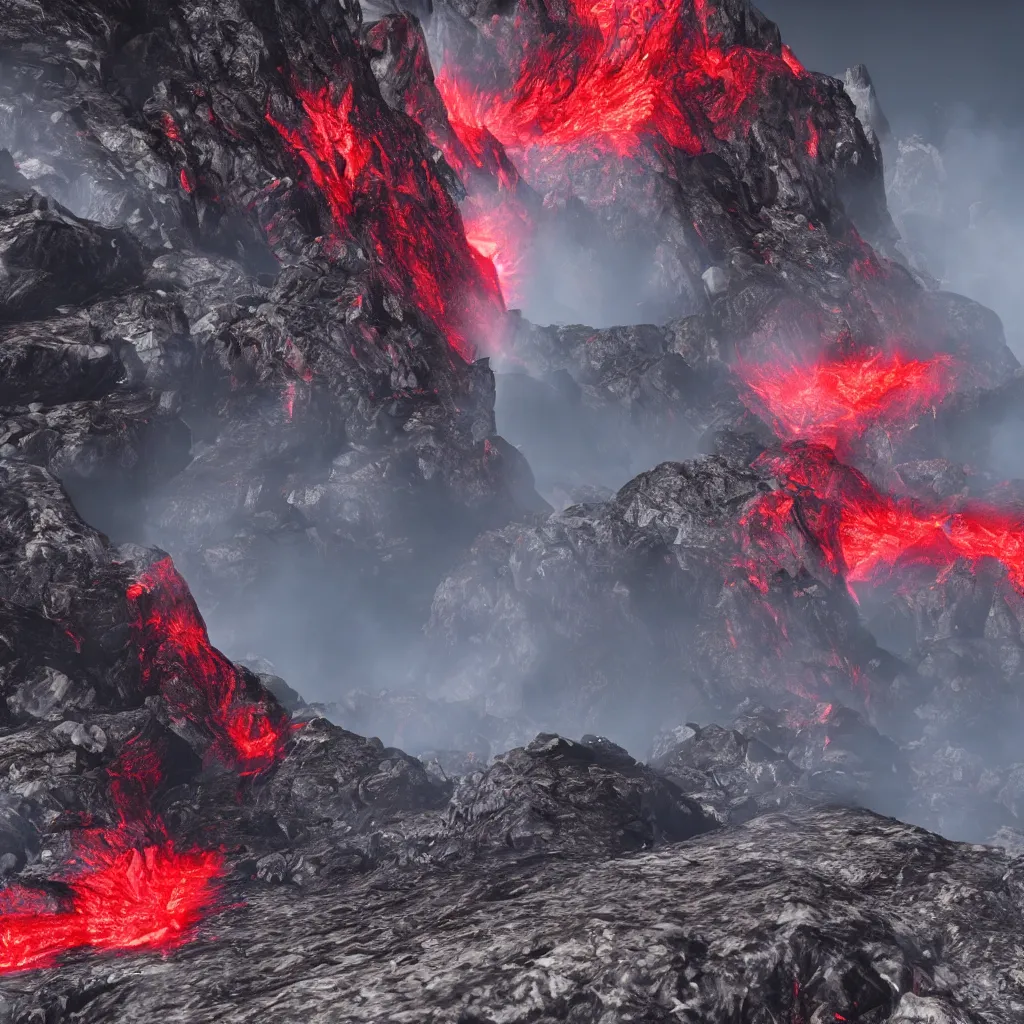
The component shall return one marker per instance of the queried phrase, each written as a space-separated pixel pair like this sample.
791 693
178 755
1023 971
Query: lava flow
199 684
119 900
864 535
380 193
127 888
616 73
834 402
595 77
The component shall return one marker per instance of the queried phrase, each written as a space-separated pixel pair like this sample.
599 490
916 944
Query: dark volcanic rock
235 315
246 281
836 915
729 772
772 761
638 609
586 799
51 258
128 437
54 361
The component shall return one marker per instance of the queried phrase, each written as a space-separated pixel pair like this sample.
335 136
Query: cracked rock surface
608 743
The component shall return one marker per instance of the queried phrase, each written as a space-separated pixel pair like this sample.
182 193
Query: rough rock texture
324 404
248 285
603 611
578 799
696 211
836 915
783 218
771 761
861 89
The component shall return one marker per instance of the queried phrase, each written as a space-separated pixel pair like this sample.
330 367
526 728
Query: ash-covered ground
498 522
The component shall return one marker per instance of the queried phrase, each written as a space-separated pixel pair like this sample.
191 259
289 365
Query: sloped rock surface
772 761
585 799
265 391
836 913
612 609
246 278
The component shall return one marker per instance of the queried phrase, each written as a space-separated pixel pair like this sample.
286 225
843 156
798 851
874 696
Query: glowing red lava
128 887
591 77
170 127
199 684
377 188
813 138
865 535
832 403
619 72
501 238
118 899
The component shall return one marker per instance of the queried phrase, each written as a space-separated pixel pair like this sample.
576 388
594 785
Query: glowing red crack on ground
833 403
118 899
128 888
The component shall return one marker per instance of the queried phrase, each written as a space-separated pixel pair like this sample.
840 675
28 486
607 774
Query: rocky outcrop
255 258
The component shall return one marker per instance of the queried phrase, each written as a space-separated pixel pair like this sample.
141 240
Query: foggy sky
920 52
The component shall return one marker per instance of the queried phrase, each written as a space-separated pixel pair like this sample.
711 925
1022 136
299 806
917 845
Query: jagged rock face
248 261
559 618
607 182
765 921
687 211
254 292
757 218
702 583
52 260
771 761
758 177
861 89
575 799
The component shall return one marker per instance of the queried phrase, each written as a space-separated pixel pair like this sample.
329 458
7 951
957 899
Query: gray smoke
958 205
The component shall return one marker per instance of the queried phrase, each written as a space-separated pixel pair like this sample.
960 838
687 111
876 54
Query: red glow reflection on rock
378 190
616 73
866 535
199 683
